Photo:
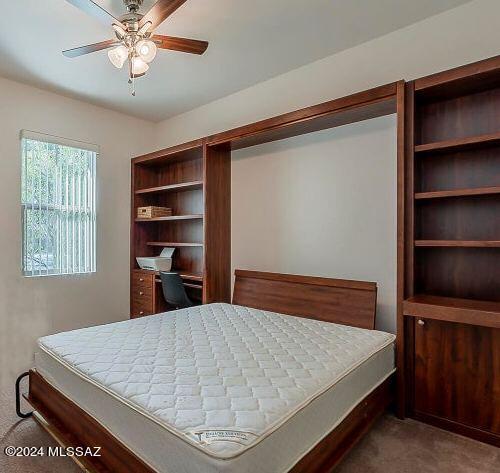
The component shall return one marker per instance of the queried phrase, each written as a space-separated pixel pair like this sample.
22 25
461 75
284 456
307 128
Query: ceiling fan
135 42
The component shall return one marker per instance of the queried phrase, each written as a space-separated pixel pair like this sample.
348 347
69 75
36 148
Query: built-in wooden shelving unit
194 181
449 330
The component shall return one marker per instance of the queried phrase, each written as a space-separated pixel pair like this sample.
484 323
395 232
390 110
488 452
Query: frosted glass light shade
139 67
118 56
146 49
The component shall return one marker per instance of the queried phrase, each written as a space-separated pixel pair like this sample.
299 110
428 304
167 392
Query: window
58 205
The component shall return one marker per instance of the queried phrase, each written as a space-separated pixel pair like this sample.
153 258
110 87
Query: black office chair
174 291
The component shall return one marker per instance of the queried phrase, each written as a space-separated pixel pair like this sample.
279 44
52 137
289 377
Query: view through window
58 206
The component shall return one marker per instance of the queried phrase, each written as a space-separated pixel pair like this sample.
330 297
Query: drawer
142 303
142 293
142 300
142 279
140 312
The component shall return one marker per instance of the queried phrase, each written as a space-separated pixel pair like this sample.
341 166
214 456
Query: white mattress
218 387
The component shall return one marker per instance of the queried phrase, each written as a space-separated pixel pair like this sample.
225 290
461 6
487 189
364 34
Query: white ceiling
250 41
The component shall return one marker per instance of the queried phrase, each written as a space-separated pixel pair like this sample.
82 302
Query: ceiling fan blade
184 45
90 48
92 8
160 11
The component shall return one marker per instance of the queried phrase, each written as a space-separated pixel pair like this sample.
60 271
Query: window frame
68 211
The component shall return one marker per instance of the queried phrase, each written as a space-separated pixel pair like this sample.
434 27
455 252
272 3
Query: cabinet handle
141 293
141 279
141 312
421 322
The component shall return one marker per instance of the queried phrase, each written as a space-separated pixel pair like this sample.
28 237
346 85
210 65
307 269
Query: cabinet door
457 373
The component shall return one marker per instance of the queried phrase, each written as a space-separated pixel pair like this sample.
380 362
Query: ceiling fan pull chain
131 78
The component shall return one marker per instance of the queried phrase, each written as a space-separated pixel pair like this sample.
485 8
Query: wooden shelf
183 274
193 286
459 243
175 245
190 276
460 144
171 218
184 186
186 284
448 309
184 152
458 193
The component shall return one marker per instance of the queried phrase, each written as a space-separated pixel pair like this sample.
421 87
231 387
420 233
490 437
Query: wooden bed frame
331 300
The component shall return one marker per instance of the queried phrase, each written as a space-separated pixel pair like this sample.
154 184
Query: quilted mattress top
222 377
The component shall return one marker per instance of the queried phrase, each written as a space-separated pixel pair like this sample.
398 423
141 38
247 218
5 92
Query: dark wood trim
327 454
451 249
457 243
308 280
458 193
479 71
189 149
460 144
401 213
330 300
187 186
74 427
360 106
405 229
465 311
364 105
461 429
217 236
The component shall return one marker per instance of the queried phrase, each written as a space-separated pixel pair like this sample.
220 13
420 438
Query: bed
286 378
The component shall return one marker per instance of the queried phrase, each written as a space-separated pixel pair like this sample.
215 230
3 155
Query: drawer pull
141 293
141 312
420 322
141 279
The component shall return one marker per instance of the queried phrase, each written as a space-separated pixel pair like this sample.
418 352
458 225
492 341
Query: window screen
58 206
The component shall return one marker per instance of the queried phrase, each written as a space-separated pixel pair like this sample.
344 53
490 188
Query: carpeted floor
392 446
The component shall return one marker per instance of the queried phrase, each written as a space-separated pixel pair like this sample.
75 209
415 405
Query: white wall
32 307
456 37
277 241
322 204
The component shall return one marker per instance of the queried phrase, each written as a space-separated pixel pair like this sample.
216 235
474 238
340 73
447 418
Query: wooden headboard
330 300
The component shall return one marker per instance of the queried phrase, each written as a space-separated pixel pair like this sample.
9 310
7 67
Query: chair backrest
174 291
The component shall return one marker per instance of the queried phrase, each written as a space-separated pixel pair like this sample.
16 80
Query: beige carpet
392 446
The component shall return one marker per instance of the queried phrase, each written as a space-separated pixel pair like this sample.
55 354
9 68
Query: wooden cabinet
449 274
142 294
457 377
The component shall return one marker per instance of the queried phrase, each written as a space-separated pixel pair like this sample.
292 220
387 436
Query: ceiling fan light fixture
144 28
146 49
139 67
118 56
120 32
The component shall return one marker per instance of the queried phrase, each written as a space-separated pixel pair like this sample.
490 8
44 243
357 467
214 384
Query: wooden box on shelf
451 308
151 211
